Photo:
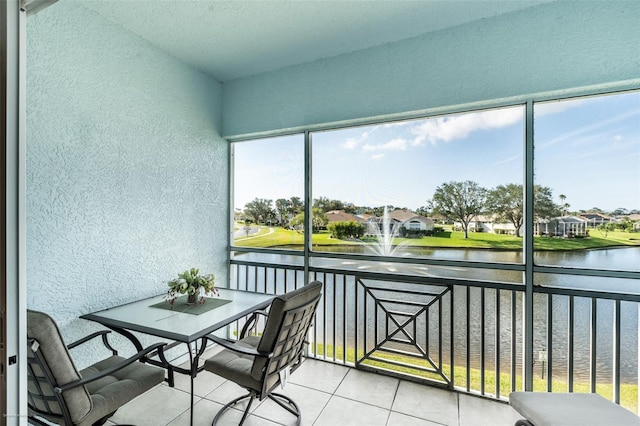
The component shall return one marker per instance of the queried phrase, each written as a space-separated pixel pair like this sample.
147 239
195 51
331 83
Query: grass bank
277 237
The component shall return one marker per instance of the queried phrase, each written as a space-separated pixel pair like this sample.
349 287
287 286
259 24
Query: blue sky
587 149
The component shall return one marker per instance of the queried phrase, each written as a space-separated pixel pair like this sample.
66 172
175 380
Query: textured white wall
552 47
126 171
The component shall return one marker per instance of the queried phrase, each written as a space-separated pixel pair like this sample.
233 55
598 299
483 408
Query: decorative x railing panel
401 329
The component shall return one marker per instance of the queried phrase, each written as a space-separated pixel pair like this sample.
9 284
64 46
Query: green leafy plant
190 282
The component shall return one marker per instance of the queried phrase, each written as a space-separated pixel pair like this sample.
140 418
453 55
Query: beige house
399 218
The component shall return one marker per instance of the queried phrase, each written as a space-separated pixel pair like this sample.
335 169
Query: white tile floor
328 395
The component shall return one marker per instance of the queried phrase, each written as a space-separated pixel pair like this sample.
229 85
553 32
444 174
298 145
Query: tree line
453 201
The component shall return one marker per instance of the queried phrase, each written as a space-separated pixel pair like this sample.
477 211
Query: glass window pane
268 192
451 185
587 173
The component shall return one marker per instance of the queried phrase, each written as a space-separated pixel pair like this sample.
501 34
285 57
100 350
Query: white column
15 114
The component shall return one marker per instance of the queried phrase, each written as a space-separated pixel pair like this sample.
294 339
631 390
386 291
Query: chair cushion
112 391
42 328
235 366
570 409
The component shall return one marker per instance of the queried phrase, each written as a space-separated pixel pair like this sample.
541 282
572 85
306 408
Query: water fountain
383 246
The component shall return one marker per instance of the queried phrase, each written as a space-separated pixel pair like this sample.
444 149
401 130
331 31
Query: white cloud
460 126
352 143
398 144
377 156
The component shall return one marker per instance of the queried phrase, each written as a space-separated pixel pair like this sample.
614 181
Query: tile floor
328 395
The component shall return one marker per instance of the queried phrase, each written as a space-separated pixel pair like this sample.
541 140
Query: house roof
342 216
235 39
596 216
571 219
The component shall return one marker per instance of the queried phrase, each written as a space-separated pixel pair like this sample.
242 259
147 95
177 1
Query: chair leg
523 422
288 404
250 395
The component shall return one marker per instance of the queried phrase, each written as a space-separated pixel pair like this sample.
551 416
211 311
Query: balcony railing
464 334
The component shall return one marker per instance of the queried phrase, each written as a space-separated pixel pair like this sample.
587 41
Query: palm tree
563 205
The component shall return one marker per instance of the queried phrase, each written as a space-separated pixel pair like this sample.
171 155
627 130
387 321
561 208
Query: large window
268 192
587 155
451 187
440 187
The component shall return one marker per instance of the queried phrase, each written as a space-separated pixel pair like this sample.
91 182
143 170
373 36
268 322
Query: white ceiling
236 38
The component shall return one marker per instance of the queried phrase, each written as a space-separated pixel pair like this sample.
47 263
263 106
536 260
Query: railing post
527 364
308 204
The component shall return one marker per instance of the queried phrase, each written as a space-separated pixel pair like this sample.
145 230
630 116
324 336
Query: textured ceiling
237 38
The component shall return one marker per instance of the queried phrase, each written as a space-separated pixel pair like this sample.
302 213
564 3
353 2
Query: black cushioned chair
258 362
61 394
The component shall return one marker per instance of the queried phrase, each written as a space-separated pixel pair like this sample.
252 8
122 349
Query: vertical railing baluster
549 342
468 337
592 343
451 339
315 329
285 281
570 344
439 332
365 344
514 339
324 317
344 318
355 321
246 277
335 309
275 281
616 352
482 339
497 344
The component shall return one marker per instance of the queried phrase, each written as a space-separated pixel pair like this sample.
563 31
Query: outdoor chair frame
58 401
261 363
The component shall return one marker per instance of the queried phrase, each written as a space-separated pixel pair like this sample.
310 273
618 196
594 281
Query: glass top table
188 328
183 327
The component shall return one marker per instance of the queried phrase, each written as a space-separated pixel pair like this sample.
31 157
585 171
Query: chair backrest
290 317
50 365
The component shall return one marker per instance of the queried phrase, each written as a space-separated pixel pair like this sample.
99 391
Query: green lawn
449 239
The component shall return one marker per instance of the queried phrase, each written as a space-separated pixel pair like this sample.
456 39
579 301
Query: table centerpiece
193 284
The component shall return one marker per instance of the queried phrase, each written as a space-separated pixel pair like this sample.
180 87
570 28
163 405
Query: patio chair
59 393
569 409
260 363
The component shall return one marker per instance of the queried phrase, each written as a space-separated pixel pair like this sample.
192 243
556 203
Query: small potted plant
194 285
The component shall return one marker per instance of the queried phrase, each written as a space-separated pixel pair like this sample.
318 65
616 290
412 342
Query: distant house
342 216
565 226
482 223
399 218
596 219
635 218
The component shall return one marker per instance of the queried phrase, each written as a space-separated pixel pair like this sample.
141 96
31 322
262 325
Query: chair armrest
83 381
87 338
252 321
105 342
232 346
